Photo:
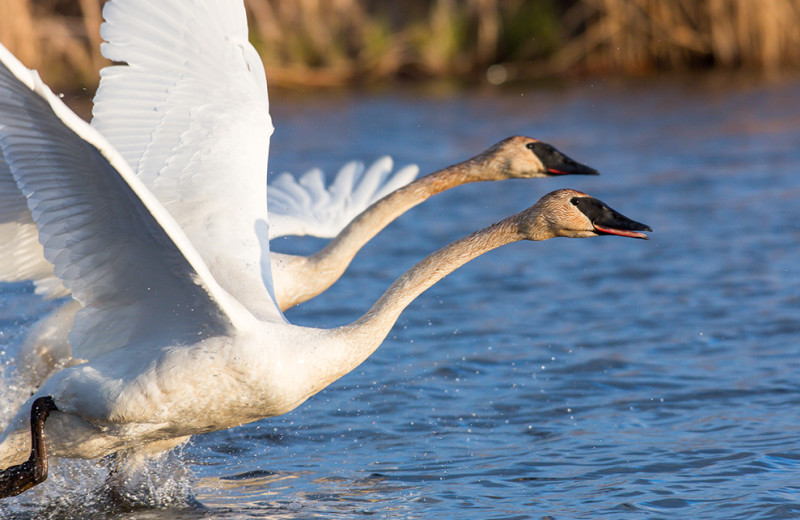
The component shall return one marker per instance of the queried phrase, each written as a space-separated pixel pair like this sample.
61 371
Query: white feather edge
308 205
239 317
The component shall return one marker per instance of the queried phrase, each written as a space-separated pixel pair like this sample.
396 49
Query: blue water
602 378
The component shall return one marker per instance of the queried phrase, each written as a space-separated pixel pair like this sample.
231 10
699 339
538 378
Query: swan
153 107
172 351
296 278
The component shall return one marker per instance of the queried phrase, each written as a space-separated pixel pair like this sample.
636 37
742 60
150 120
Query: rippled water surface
603 378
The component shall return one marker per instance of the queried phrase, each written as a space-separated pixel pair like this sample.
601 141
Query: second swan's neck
301 278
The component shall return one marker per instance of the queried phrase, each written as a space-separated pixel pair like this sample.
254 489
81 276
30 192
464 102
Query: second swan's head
573 214
521 157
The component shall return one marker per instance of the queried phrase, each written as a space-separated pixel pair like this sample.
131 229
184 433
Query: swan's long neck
384 313
298 279
350 345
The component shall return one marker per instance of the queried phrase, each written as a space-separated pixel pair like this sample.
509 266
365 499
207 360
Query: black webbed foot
21 477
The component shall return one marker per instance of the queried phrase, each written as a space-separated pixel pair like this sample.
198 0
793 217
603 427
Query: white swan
173 353
296 278
155 108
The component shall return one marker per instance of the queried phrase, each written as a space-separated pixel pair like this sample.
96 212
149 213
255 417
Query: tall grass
332 42
641 35
59 38
338 41
310 42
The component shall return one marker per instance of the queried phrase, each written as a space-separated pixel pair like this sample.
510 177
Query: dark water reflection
607 378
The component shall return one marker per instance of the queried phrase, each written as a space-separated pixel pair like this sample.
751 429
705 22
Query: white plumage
171 52
179 325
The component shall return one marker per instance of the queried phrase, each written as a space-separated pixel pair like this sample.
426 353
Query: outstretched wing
110 241
310 206
21 254
187 108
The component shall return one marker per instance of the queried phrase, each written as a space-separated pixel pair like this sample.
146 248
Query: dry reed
641 35
332 42
309 42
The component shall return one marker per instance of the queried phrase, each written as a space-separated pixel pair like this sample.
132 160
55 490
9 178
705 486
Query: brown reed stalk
63 44
640 35
17 30
333 42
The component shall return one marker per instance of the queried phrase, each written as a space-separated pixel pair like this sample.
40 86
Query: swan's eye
541 150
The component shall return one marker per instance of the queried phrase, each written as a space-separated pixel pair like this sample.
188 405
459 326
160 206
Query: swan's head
521 157
570 213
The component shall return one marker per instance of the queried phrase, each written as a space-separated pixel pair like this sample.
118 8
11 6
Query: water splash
77 489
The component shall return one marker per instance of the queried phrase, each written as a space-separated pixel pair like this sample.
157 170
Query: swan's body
180 340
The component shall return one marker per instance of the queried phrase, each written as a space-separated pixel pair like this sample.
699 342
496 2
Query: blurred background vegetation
341 42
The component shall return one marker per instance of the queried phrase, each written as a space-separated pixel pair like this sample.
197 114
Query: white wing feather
306 206
189 112
135 108
21 254
114 246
